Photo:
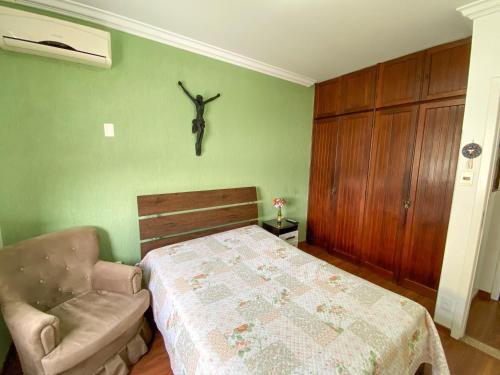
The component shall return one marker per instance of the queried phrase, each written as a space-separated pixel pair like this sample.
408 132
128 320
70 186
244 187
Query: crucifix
198 126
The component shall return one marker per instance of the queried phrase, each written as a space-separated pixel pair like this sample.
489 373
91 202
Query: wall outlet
467 178
109 130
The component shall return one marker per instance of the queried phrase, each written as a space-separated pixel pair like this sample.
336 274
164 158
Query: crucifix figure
199 122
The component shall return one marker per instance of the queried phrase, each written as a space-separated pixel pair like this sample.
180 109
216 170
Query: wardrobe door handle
406 206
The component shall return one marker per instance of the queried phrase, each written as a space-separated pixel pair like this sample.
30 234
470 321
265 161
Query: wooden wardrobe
384 156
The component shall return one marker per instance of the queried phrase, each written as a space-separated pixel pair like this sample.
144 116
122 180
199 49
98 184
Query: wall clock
471 151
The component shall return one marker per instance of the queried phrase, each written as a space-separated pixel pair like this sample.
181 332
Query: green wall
58 170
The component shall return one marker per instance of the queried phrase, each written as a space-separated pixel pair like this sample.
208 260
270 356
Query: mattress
246 302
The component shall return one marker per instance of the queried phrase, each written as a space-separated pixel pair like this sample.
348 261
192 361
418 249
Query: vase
280 216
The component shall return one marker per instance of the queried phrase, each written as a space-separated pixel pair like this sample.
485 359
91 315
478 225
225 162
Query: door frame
495 288
461 314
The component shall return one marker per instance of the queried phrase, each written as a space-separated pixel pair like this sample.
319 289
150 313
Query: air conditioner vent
44 36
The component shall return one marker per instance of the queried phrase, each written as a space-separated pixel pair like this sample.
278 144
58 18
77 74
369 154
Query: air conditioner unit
45 36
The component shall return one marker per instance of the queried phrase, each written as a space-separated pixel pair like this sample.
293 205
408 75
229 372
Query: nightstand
287 231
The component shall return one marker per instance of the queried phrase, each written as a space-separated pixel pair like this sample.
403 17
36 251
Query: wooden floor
483 323
462 358
156 361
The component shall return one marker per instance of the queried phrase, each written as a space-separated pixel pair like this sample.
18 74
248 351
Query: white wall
469 202
490 246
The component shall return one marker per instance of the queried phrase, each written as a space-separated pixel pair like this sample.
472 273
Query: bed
235 299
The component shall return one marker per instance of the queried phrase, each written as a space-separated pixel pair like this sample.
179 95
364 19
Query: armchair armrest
34 332
115 277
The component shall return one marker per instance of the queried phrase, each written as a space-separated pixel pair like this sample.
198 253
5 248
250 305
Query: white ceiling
319 39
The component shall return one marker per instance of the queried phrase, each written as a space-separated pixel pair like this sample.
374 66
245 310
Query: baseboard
494 352
419 288
481 294
348 257
379 271
443 329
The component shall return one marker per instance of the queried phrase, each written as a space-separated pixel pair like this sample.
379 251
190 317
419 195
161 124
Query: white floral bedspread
245 302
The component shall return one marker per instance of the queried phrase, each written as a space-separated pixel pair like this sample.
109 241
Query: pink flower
279 202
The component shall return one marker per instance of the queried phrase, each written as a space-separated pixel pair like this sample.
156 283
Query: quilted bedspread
245 302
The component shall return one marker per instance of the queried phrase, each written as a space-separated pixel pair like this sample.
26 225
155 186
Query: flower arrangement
279 203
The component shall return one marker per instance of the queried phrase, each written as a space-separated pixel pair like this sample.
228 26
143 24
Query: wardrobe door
358 90
320 181
392 150
400 80
435 164
446 70
349 184
327 98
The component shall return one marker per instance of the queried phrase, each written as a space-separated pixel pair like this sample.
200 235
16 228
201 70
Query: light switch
109 130
467 178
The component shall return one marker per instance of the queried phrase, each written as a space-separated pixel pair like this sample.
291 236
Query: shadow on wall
5 339
104 245
15 231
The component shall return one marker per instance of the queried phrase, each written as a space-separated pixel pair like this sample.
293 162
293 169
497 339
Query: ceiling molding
480 8
128 25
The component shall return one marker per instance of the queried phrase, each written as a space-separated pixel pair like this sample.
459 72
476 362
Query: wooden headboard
163 219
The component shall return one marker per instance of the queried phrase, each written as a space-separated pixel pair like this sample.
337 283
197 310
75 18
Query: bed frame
165 219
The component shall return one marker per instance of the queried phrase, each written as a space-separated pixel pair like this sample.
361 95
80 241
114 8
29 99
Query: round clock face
471 151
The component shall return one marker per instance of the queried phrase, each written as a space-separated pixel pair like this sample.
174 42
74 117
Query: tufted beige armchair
69 312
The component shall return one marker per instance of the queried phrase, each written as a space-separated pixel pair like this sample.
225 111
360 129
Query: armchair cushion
115 277
90 322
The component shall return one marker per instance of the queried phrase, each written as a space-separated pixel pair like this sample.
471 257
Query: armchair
69 312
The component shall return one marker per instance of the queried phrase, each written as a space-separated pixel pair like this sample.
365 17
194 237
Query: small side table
287 231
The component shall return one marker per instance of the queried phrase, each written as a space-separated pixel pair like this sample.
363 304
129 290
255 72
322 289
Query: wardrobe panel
400 80
435 164
327 98
446 70
320 181
349 183
392 150
358 90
